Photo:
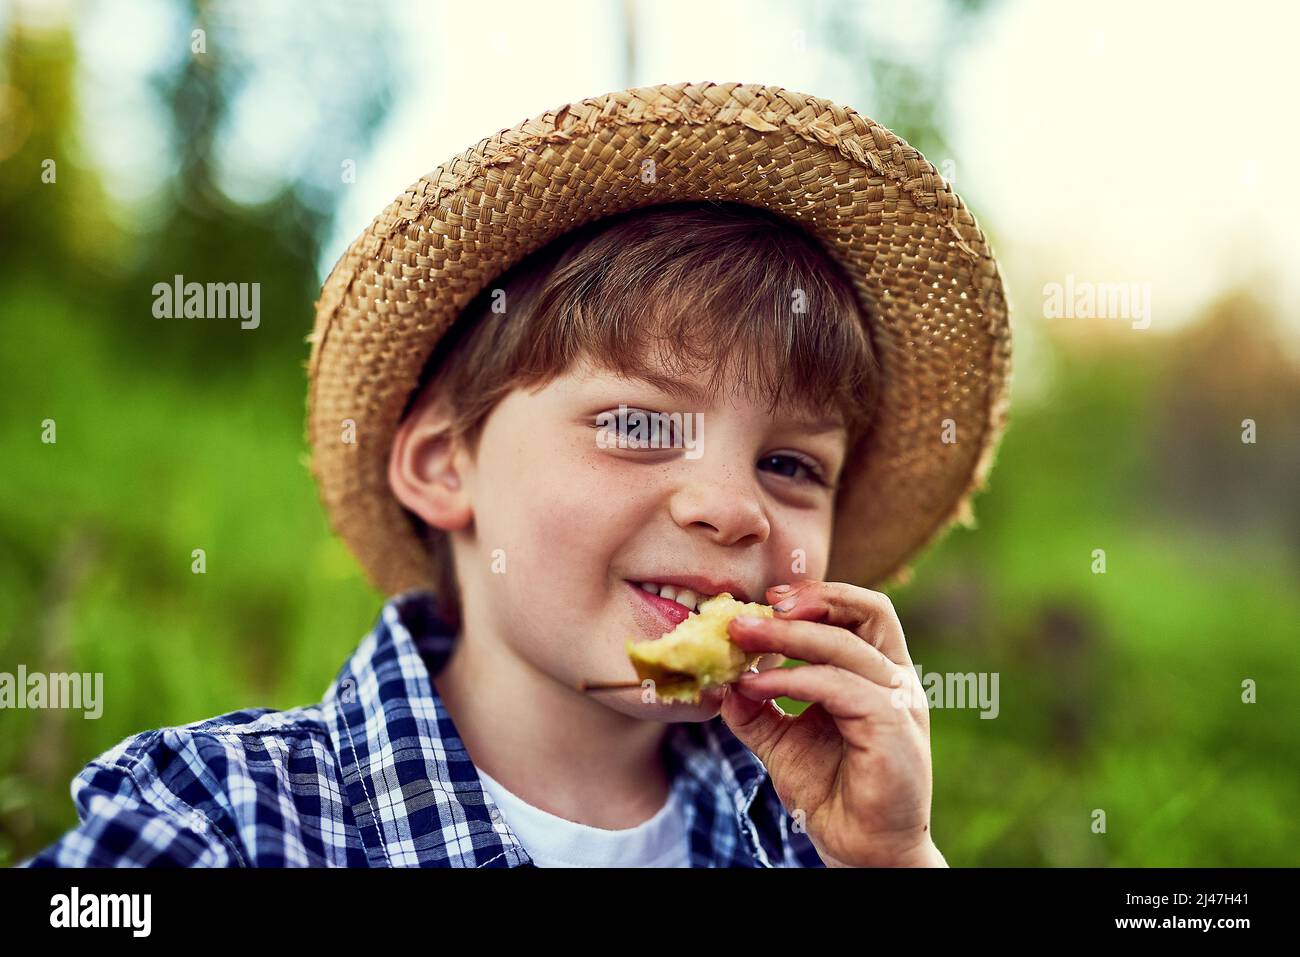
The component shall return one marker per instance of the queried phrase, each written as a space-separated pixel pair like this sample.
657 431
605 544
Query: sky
1135 141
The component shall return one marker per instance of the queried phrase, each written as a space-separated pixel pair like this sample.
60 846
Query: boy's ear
424 469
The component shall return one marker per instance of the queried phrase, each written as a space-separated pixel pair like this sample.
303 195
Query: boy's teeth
683 596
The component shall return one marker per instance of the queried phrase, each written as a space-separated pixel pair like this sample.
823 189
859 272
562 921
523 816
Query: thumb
758 725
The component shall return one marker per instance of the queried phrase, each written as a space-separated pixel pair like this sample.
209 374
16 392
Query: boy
764 263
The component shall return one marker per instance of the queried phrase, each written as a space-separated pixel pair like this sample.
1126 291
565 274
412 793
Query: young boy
769 265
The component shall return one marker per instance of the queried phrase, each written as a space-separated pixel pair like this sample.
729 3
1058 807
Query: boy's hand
857 760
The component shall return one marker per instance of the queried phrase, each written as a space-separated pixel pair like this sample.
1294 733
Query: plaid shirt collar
418 801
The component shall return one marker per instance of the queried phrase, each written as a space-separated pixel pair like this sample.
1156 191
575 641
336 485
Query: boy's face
554 533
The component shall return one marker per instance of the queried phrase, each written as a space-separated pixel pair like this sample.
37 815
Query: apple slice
698 653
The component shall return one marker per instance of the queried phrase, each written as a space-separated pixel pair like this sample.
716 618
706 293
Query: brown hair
715 286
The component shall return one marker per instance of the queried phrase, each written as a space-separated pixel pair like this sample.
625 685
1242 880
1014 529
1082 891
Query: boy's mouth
672 603
688 599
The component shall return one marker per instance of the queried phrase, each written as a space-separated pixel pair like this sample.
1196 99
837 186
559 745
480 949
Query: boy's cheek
801 551
552 564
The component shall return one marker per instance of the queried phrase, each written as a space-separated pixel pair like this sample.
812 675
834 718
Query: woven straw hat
919 263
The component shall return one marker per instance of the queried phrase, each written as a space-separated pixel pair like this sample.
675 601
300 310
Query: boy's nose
730 512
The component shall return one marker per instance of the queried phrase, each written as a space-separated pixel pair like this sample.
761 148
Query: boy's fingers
816 643
758 724
868 614
841 693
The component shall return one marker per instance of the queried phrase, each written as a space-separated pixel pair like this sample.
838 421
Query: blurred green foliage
1118 691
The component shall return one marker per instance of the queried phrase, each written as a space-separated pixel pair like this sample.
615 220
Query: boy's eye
785 464
654 430
798 462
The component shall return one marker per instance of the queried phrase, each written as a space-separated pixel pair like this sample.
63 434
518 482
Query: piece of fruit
698 653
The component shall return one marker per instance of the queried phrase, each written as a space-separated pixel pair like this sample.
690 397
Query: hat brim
918 261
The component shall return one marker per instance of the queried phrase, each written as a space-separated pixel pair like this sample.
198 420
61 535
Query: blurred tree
1211 466
46 196
904 88
200 231
205 235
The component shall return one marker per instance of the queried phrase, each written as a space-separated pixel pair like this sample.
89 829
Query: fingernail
749 621
781 589
785 605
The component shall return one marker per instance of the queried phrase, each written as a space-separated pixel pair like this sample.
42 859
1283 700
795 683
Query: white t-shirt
553 841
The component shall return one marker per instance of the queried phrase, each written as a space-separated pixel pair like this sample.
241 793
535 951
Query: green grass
96 544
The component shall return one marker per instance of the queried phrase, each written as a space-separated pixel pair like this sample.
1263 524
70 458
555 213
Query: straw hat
920 265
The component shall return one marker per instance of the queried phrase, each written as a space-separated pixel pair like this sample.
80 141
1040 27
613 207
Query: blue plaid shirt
375 776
